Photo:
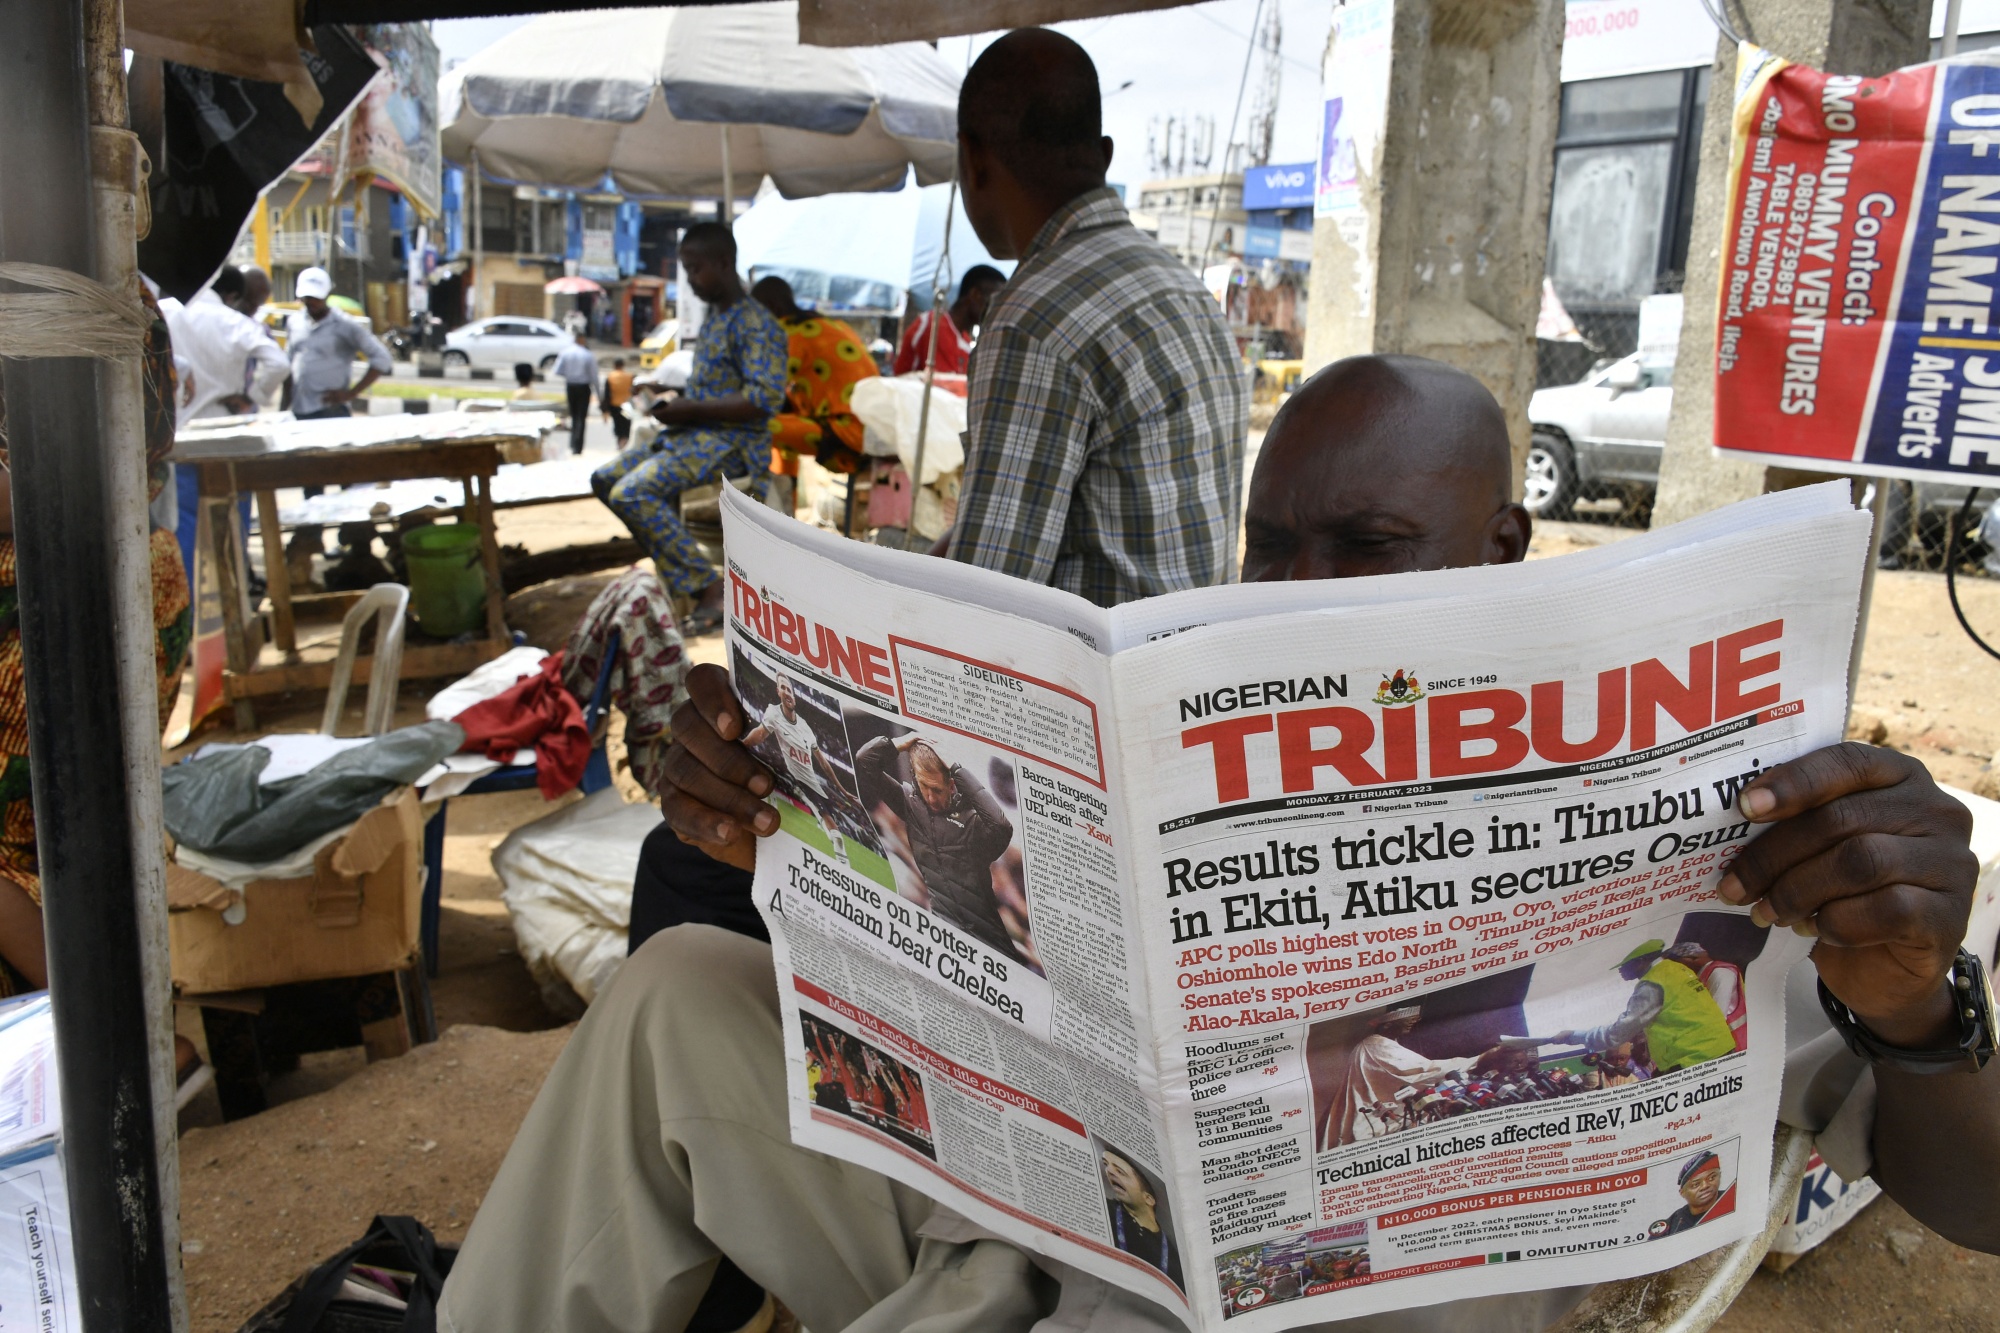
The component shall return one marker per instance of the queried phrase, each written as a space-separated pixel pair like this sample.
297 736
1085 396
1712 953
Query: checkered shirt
1108 414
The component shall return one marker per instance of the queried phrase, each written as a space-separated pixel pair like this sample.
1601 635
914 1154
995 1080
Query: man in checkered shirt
1108 404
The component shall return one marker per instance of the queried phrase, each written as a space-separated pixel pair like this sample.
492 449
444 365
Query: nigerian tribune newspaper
1291 952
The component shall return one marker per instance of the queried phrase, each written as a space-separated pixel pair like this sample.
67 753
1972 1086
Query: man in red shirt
954 335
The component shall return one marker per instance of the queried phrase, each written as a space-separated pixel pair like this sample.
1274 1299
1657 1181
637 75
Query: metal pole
940 283
1878 508
475 310
728 183
1208 245
1949 47
65 417
116 182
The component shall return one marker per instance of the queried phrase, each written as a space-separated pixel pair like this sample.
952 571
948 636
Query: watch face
1982 986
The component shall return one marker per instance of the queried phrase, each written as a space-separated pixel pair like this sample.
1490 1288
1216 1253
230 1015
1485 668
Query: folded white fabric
456 772
484 682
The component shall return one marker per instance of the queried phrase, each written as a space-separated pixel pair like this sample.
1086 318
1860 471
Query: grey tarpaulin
216 805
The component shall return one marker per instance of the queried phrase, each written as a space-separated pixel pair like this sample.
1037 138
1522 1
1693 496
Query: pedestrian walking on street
578 369
612 396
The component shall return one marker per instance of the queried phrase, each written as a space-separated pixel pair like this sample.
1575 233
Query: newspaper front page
1292 953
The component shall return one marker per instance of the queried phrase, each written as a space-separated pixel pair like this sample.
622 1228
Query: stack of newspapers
1261 948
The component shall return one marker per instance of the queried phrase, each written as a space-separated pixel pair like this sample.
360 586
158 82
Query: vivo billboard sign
1289 186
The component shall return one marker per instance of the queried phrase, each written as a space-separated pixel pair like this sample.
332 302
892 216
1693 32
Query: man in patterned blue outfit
718 428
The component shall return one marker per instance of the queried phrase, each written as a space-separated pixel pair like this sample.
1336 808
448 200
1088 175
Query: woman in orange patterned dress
828 359
22 967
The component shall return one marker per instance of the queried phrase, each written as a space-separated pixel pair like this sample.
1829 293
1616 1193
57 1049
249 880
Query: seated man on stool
716 430
661 1142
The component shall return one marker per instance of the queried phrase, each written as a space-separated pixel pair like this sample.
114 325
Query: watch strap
1972 1005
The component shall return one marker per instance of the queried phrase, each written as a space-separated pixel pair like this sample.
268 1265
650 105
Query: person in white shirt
577 368
231 366
234 362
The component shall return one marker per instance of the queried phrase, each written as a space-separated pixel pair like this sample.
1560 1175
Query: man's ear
1108 149
975 164
1507 535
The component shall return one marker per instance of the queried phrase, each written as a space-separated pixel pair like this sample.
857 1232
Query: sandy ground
264 1198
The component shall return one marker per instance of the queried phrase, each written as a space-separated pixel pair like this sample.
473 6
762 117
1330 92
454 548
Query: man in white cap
324 343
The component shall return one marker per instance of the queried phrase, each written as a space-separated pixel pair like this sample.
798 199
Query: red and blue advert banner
1856 325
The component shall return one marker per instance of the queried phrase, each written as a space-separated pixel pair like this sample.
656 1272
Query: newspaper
1855 320
1292 952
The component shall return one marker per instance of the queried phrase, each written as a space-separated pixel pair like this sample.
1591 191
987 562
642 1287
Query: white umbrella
888 238
689 102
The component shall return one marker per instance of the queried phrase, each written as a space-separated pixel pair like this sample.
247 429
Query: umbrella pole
728 183
939 277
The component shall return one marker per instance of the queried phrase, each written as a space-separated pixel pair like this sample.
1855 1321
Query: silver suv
1599 438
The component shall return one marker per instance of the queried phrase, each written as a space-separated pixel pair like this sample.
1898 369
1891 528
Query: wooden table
258 459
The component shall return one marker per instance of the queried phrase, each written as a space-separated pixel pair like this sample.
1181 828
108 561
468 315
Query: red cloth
953 347
535 711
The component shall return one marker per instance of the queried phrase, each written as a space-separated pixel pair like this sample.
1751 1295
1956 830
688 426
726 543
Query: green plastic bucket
447 581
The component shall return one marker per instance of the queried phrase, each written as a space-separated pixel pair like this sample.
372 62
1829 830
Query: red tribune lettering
1732 672
1655 686
1548 725
789 632
1450 732
1232 766
1493 730
1298 759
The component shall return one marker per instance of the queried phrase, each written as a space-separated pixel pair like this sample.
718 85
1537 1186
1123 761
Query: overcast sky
1181 62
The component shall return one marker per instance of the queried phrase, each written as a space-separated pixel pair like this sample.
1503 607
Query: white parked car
503 342
1600 437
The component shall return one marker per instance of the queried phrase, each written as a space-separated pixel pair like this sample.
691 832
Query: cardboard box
360 911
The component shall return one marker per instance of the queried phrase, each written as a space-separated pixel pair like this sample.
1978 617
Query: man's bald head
1381 465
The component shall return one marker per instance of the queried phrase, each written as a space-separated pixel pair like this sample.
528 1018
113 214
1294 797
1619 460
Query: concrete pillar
1441 251
1835 35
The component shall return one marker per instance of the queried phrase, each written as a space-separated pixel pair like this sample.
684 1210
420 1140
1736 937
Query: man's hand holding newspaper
1861 850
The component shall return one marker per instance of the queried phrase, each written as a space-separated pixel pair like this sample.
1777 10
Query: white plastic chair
388 603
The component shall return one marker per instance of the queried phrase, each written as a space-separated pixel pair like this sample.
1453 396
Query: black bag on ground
313 1304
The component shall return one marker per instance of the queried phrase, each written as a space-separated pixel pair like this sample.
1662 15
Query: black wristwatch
1972 1000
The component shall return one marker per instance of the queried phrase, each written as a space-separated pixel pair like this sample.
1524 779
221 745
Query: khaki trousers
661 1141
